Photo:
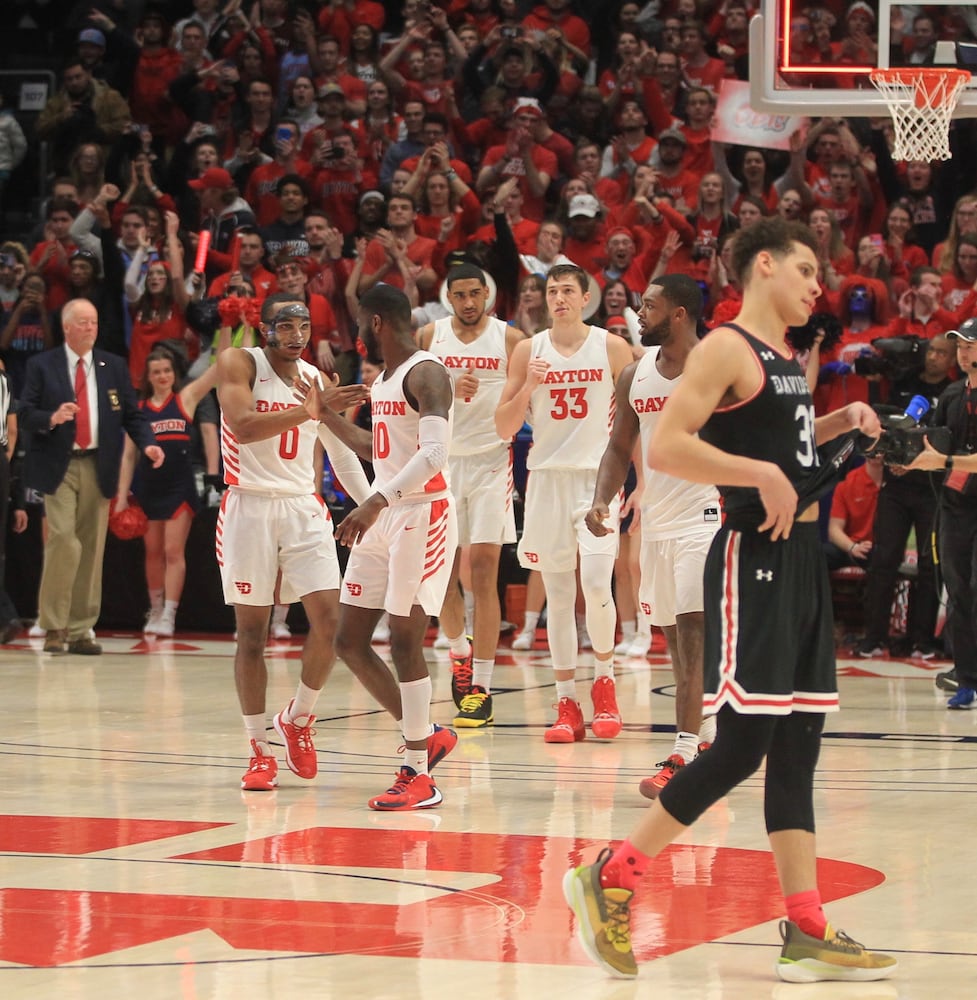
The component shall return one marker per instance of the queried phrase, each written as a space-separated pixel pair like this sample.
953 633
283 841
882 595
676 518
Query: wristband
450 175
852 549
949 463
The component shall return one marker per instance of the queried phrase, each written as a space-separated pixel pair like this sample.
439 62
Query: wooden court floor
131 864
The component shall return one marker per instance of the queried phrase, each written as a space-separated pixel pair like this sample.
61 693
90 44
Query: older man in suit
76 404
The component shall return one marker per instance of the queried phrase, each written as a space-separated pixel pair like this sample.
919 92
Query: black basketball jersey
776 424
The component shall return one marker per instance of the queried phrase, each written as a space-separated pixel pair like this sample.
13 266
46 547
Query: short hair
436 118
400 196
773 234
389 303
564 271
465 272
917 275
62 204
277 298
682 291
294 179
136 210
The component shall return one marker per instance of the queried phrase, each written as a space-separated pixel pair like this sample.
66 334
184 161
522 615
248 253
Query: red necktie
83 422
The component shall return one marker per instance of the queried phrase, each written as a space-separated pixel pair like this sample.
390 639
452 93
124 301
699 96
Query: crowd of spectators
205 148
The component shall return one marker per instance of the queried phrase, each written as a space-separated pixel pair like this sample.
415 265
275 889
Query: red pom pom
251 311
129 523
230 310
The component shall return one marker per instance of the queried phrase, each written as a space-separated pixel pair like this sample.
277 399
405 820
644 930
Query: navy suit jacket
49 449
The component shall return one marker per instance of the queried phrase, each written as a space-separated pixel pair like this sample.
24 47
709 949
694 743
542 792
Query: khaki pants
71 583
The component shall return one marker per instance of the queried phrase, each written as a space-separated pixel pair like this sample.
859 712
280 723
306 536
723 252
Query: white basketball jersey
573 407
474 417
670 507
395 431
276 467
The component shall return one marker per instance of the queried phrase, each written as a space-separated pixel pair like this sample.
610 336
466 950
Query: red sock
624 868
804 909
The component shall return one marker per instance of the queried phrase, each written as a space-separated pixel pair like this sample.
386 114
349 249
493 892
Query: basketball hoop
921 102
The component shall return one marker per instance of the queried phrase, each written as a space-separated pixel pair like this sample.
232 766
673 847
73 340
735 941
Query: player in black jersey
742 418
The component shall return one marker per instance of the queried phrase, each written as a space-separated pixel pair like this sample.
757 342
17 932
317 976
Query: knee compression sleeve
741 743
788 802
595 583
561 628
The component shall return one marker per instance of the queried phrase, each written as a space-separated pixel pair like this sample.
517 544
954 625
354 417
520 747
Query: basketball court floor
133 865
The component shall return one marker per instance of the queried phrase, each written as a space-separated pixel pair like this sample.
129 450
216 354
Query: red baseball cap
213 177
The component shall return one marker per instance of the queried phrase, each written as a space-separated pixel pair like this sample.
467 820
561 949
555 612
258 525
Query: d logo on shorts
354 589
242 587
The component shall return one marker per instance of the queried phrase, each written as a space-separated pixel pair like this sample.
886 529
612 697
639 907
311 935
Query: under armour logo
767 355
764 574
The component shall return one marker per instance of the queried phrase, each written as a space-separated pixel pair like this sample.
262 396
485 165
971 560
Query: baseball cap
93 36
674 133
584 204
615 321
213 177
967 331
371 196
527 106
329 89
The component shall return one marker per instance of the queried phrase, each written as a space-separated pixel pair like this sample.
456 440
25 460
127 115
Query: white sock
303 704
530 621
707 731
628 629
686 746
416 759
567 689
256 729
482 674
169 608
459 645
603 668
156 600
279 614
415 699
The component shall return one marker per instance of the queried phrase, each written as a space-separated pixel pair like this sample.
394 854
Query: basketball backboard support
782 81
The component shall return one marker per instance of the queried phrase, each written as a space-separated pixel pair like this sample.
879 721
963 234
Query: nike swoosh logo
264 379
411 528
642 379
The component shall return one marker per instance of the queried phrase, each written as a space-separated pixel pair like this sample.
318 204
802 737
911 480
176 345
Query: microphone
918 407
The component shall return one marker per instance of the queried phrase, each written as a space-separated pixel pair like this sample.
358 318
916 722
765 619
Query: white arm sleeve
431 457
345 465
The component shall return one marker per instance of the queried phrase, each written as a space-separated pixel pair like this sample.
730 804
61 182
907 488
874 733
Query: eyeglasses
287 269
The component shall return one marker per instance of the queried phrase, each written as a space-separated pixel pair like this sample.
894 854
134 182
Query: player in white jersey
678 518
475 348
564 377
402 538
272 519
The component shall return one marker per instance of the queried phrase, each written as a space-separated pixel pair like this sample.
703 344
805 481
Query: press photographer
957 410
907 500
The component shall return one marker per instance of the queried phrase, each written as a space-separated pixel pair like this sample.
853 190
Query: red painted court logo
243 587
512 910
354 589
531 557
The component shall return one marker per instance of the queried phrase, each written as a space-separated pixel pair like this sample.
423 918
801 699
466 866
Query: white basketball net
921 103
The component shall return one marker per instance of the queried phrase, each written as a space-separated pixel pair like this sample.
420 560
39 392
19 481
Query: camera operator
907 501
957 410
